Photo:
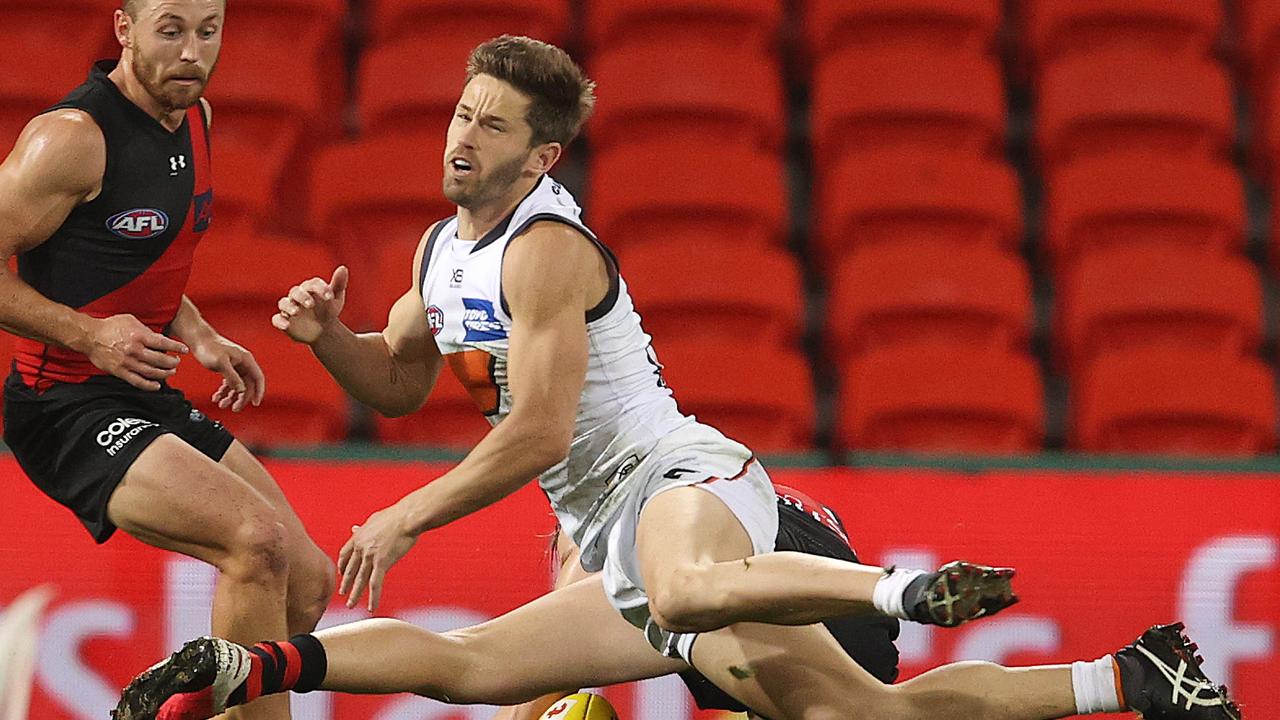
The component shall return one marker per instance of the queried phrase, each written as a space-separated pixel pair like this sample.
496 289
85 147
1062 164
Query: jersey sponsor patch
479 321
139 223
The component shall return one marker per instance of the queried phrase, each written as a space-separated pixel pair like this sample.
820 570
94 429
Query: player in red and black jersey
103 200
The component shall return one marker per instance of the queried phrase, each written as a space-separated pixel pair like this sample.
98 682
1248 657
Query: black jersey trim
426 252
610 298
498 231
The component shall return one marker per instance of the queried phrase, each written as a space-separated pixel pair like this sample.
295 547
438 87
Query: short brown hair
561 96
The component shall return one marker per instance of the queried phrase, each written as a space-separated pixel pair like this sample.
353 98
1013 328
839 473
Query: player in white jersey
518 297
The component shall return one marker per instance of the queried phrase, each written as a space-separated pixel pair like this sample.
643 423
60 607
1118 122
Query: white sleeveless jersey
625 408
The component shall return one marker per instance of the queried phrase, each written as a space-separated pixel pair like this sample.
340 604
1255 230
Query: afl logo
435 319
139 224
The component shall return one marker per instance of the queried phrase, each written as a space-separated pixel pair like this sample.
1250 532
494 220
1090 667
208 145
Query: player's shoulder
65 147
62 131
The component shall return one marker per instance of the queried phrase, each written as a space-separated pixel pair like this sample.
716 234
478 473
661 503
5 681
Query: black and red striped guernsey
129 249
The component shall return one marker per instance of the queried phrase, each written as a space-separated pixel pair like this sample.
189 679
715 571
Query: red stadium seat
751 23
757 295
1143 199
687 193
969 26
303 404
909 293
695 92
760 396
372 201
388 104
1259 38
1184 28
882 98
449 419
917 195
941 398
1181 402
1111 100
542 19
247 292
1126 297
49 48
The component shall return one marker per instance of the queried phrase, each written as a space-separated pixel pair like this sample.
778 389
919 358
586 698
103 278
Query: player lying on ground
529 309
804 525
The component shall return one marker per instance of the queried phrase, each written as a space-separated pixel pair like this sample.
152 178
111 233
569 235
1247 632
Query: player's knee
257 550
686 599
312 583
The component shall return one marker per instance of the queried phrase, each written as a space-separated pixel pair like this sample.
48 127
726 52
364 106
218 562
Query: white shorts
707 461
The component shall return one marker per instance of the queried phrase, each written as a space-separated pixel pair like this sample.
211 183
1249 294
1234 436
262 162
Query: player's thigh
684 526
569 638
240 461
176 498
787 672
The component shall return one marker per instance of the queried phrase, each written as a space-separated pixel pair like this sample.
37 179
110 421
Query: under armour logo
177 161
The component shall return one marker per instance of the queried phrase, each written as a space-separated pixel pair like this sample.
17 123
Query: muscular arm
551 275
391 371
56 165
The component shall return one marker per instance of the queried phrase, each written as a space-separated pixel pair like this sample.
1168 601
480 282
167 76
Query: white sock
887 596
1094 684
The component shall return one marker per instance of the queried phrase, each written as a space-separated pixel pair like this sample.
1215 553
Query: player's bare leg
534 650
311 572
798 588
175 498
801 673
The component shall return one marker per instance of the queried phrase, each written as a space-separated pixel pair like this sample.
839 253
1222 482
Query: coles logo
435 319
138 224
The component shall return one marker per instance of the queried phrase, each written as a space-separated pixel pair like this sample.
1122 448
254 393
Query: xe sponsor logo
138 224
479 321
120 432
435 319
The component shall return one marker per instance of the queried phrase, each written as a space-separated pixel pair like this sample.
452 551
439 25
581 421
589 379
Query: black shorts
868 639
76 440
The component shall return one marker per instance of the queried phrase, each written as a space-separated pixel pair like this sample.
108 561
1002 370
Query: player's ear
123 27
545 156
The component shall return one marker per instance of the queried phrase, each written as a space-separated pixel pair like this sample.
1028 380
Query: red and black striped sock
298 665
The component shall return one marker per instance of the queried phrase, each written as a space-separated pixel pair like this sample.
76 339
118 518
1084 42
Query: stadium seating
696 92
388 104
247 292
372 200
893 196
1168 402
886 98
449 419
756 298
543 19
1158 297
761 396
689 193
1132 199
729 23
909 293
1109 100
1185 28
944 398
969 26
